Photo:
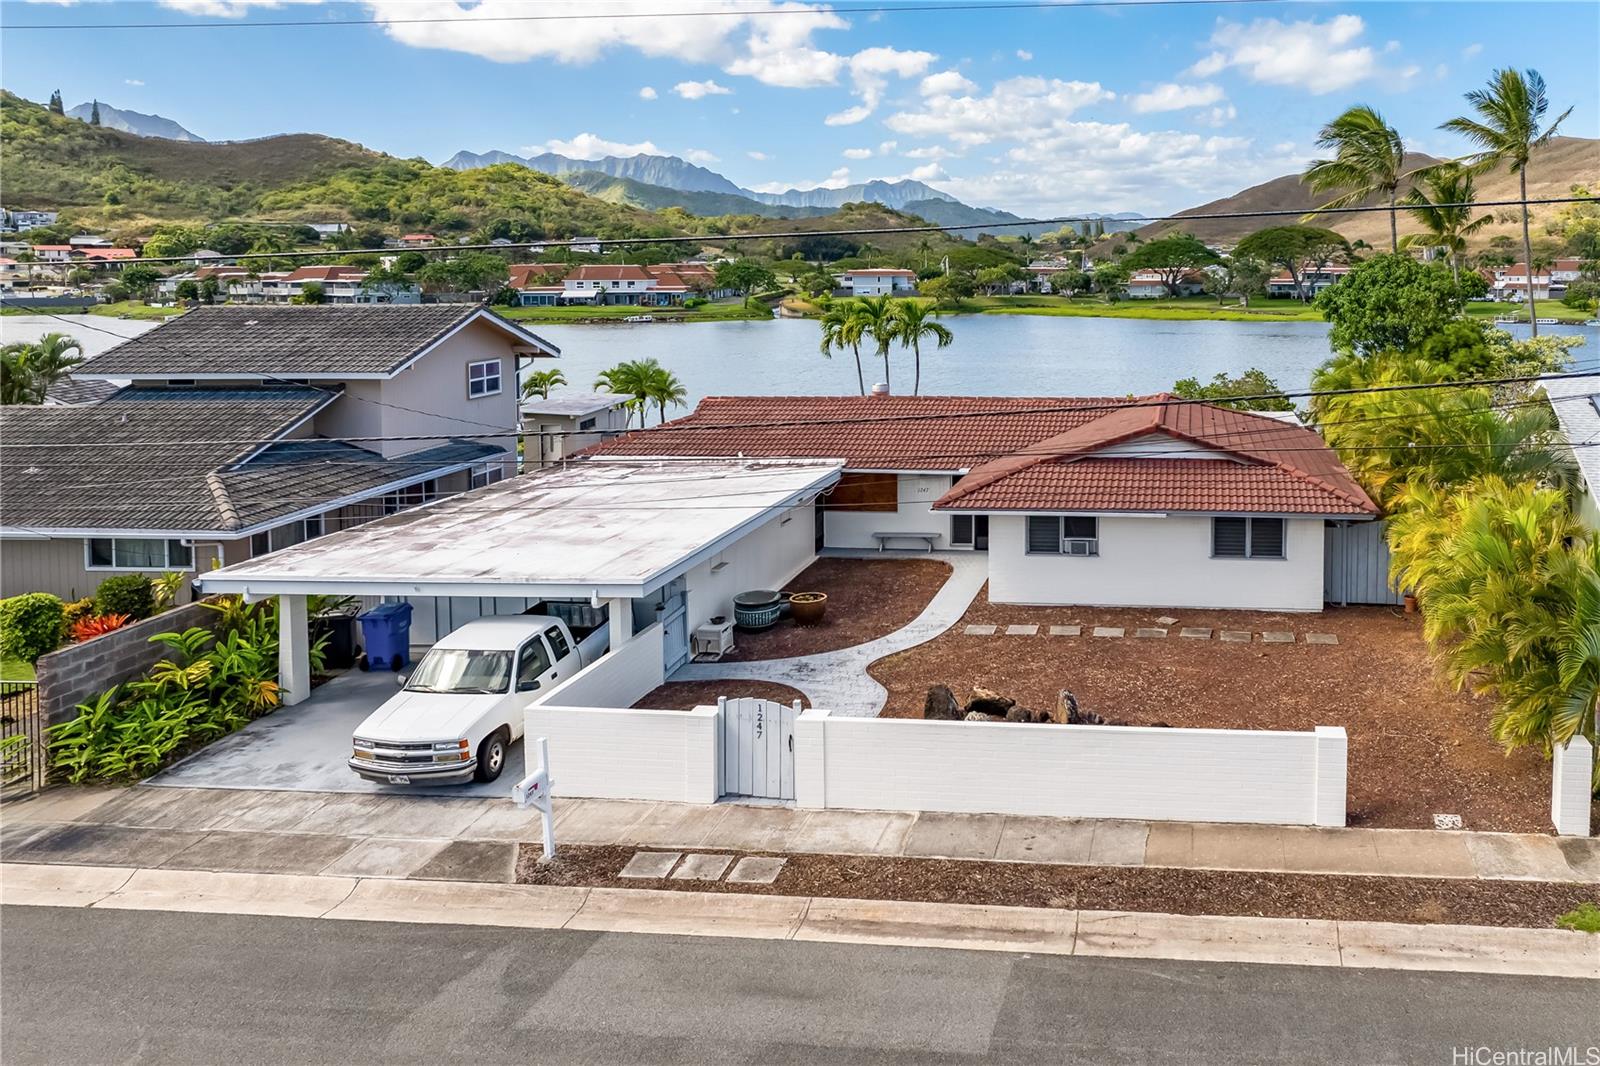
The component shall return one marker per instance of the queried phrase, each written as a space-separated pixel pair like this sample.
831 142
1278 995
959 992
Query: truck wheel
491 757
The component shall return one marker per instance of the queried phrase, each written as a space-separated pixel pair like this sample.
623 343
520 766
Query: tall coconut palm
540 382
873 317
1368 160
662 387
1445 212
629 378
839 333
1508 127
914 321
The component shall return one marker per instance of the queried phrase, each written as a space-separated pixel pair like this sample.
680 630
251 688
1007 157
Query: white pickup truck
461 708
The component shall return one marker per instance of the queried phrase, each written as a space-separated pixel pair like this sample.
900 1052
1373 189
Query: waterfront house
879 281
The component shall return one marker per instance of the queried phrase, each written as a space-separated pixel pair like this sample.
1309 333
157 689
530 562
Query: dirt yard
867 599
687 695
1416 747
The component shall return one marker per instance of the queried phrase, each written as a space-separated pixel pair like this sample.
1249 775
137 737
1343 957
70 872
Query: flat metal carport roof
597 527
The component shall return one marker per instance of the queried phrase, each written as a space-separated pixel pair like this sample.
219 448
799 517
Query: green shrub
129 594
1585 918
78 610
30 625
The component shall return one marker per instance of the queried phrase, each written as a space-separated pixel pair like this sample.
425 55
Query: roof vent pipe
881 389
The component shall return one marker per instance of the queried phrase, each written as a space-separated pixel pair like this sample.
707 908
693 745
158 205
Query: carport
660 540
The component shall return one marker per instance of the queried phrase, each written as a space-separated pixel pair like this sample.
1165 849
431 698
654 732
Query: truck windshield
461 670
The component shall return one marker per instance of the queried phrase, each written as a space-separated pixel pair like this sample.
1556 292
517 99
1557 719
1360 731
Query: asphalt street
90 986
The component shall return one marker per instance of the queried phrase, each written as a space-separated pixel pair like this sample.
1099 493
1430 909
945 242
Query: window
587 423
532 662
558 642
487 474
126 553
483 379
410 496
961 529
1247 538
284 536
1072 535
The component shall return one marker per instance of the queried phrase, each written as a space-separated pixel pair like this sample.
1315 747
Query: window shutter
1228 538
1266 538
1044 535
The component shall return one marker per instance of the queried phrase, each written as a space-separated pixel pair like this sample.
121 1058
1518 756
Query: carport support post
621 621
294 650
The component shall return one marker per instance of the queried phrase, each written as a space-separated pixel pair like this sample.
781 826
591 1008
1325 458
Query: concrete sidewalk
1107 934
401 836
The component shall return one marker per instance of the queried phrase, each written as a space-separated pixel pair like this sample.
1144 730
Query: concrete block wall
608 753
79 673
1570 769
618 678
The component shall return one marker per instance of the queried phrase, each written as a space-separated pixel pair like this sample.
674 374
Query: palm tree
627 378
1508 128
540 382
874 317
1444 213
914 320
839 332
27 370
925 246
1368 160
662 387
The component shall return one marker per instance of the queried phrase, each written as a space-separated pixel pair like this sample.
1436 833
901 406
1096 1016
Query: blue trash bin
386 632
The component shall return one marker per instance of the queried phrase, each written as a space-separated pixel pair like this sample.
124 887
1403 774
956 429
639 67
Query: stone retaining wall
79 673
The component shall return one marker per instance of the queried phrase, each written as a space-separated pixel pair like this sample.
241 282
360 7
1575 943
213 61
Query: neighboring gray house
568 422
1577 406
247 429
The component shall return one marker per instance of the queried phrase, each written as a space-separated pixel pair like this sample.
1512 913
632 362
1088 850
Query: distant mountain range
134 122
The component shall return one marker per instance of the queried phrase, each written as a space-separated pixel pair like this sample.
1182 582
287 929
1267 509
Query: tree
1266 395
746 275
1508 127
94 114
1390 301
662 387
949 290
140 279
914 321
311 293
56 106
468 272
1172 258
1445 227
540 382
28 369
839 332
1111 280
1240 276
187 290
210 287
1368 160
1066 282
646 381
1300 251
873 318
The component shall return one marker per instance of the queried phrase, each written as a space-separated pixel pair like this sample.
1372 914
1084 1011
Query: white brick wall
617 754
1207 775
1570 767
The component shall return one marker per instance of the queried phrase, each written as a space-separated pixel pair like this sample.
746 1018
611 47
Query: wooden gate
757 753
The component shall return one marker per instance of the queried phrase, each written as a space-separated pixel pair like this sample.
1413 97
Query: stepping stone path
756 870
1166 621
1321 638
1108 631
1150 634
650 865
1065 631
1277 637
1447 821
1236 636
979 631
1022 631
702 868
1195 633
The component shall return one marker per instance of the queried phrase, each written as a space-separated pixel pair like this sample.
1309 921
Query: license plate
399 779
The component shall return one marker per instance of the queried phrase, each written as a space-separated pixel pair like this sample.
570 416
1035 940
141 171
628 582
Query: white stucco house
879 281
1125 502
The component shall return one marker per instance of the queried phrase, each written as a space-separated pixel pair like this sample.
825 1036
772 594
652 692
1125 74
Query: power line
837 9
714 238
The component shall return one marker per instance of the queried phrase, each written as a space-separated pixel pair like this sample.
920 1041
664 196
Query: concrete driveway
304 748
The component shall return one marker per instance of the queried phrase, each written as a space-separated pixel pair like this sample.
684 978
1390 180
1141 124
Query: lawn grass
1547 309
715 312
1198 308
15 669
134 309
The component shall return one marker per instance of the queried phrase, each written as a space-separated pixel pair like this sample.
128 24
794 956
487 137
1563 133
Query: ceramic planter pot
807 608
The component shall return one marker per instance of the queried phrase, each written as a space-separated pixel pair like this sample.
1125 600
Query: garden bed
1419 900
687 695
1416 747
867 599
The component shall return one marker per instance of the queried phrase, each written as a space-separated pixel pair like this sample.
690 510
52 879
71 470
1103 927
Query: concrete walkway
838 680
409 836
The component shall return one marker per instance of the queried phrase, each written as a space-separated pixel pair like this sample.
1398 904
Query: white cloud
229 9
870 71
837 180
647 93
1024 55
1172 97
758 156
1471 50
858 153
946 83
1015 108
135 82
700 156
849 116
1320 57
591 146
928 172
885 147
1217 116
695 90
932 151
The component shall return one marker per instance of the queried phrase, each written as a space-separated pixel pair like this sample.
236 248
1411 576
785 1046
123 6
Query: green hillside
659 197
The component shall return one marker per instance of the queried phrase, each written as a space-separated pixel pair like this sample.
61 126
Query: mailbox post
534 791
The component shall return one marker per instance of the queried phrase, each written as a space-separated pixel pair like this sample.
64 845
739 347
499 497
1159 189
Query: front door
674 625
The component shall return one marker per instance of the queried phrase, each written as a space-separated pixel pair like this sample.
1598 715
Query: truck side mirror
401 679
528 686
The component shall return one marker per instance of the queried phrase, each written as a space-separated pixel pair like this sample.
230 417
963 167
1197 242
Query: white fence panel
757 748
609 753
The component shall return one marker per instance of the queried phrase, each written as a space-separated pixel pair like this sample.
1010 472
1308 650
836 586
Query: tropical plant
540 382
839 332
873 318
1239 276
914 322
1509 126
1390 302
624 379
164 589
1299 251
662 387
98 626
1251 391
28 369
1368 160
129 594
1172 258
30 625
1444 210
647 382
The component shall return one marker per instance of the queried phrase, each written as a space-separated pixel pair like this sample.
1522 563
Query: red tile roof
1032 452
328 272
522 274
882 272
609 273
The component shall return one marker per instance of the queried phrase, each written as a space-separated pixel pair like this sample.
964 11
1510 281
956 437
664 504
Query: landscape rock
979 716
941 705
989 702
1068 711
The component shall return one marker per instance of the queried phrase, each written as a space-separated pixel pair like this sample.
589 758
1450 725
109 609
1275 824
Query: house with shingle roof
1146 501
236 431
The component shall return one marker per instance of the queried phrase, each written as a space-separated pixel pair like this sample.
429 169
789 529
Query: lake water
993 355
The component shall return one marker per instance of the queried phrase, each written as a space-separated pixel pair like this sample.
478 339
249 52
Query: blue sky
1036 111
